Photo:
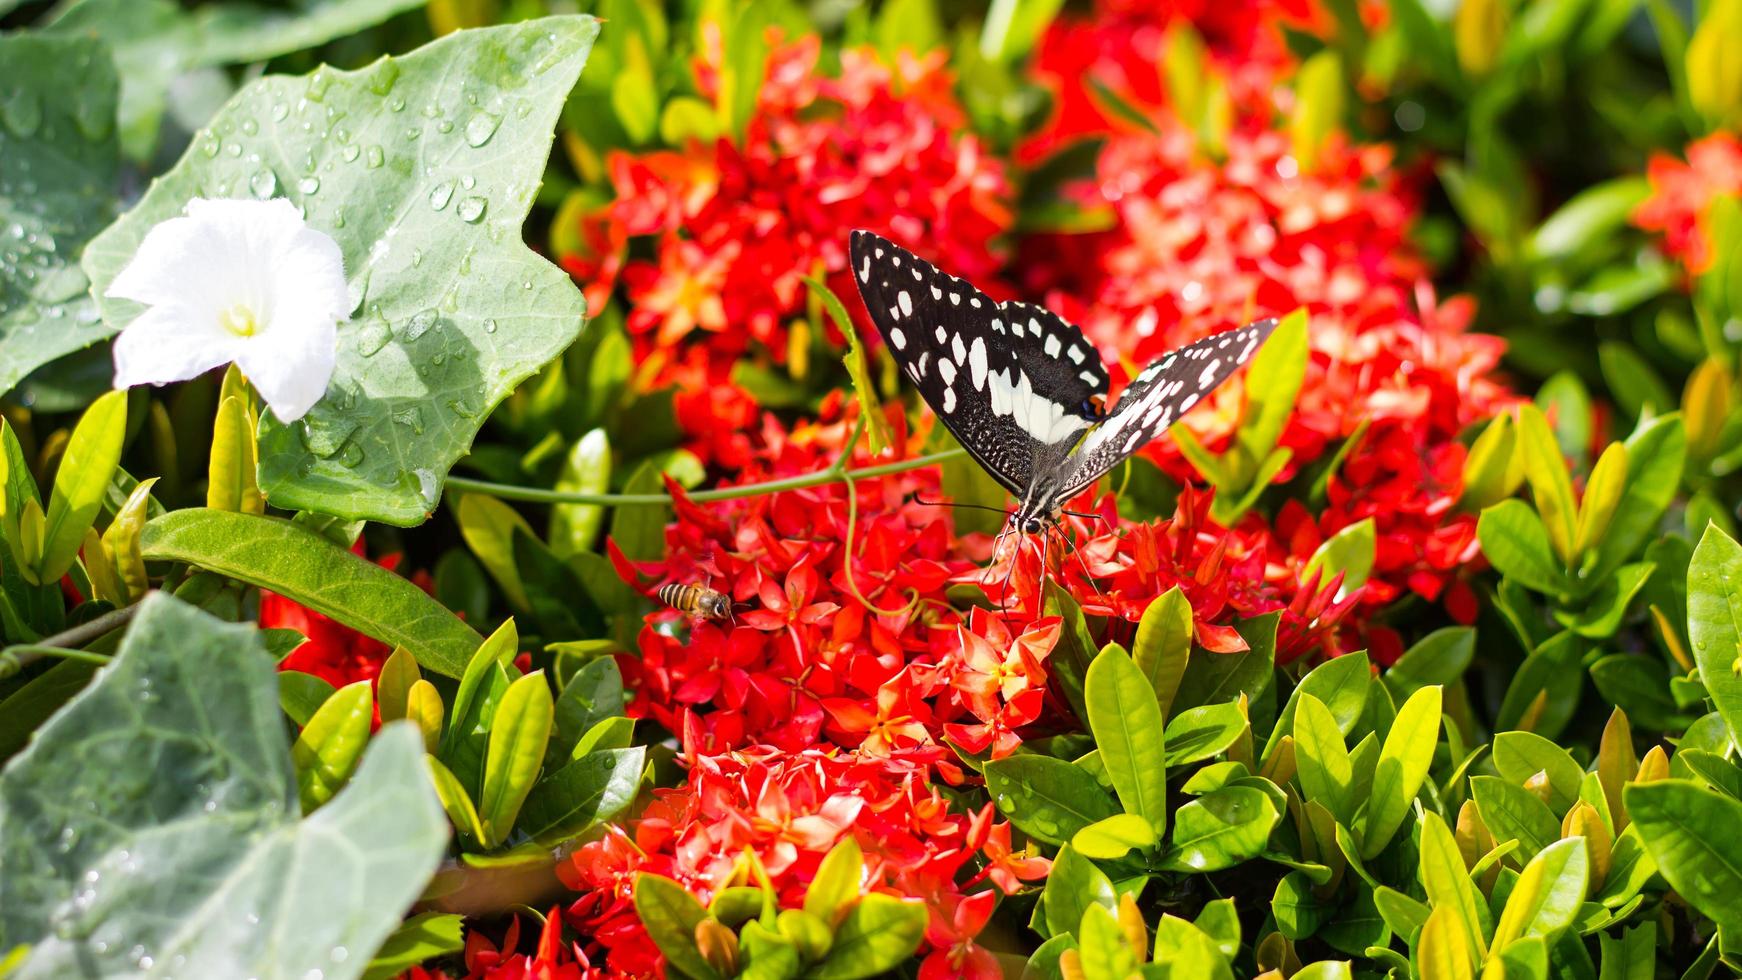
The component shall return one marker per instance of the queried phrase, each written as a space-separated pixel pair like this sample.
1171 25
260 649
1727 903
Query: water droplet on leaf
471 209
308 185
440 194
419 324
481 127
372 157
263 184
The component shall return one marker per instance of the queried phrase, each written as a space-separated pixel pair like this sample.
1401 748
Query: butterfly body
1021 388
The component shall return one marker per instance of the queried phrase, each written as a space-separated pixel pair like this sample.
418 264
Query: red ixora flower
1681 194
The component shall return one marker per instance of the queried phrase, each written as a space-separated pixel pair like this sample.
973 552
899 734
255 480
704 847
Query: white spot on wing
1209 374
977 362
865 270
898 338
906 302
948 370
1077 354
1037 415
958 349
940 334
1089 378
955 299
1052 345
949 397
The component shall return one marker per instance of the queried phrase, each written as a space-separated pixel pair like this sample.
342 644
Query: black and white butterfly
1020 387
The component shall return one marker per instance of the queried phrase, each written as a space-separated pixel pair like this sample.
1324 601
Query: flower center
239 320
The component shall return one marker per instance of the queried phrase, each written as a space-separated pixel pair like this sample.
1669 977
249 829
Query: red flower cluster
783 811
1681 193
737 225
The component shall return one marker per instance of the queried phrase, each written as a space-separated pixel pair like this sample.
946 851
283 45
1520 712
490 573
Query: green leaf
1605 607
169 779
1101 945
313 571
1517 544
1403 766
1111 838
80 482
1342 684
327 751
425 357
1631 955
1521 755
586 469
584 793
1550 484
1437 658
1715 622
1221 829
592 695
1203 732
1513 812
465 740
671 915
1163 644
301 695
456 800
1690 833
1318 106
1073 885
1127 725
837 880
1047 799
423 937
1591 216
1349 552
1323 761
1547 895
1443 953
879 934
1490 475
518 736
57 189
1215 678
1448 886
876 426
1274 377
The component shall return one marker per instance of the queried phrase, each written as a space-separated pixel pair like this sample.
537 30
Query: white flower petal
291 368
167 343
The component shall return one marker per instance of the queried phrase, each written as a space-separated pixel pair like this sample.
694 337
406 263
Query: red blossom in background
1681 193
330 650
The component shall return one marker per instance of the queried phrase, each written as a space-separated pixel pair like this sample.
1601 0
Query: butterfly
1020 387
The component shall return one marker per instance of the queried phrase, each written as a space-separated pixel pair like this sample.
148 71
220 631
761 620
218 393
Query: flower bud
1132 925
1583 820
718 945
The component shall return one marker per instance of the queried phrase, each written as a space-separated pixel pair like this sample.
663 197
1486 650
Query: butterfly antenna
951 503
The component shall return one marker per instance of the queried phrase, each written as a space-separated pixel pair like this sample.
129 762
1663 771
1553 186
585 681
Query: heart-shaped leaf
422 168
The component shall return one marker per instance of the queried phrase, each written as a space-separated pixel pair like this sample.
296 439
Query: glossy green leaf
1492 470
1715 622
1203 732
1163 644
1521 755
1403 766
1218 677
465 740
1349 553
518 736
879 934
1221 829
393 685
584 793
1591 215
1632 955
1111 838
1448 886
838 880
455 799
331 744
80 482
1513 812
1437 658
301 695
1047 799
1274 378
424 358
1547 895
1101 945
421 938
1321 758
183 804
1517 544
1073 885
488 525
1341 684
671 915
1656 455
1443 953
1550 484
586 469
56 191
594 693
1690 833
309 569
1127 725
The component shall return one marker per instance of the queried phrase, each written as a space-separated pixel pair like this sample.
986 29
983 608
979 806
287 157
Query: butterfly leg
1078 551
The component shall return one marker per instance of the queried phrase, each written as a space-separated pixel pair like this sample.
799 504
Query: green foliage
424 358
176 757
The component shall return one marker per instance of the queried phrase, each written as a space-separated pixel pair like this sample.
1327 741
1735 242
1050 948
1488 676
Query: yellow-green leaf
837 882
105 584
1274 378
230 470
1403 765
1550 483
518 735
876 426
1714 72
83 478
1493 469
1546 898
1442 953
423 708
454 799
1164 644
1602 496
1448 886
1326 774
1318 106
121 541
586 469
393 687
331 744
488 525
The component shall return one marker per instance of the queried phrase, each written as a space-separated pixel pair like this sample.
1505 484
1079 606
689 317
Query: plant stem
65 644
831 474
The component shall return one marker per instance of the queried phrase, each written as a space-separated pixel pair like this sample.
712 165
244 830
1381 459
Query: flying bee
697 601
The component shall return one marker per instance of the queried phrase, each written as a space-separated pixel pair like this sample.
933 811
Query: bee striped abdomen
695 600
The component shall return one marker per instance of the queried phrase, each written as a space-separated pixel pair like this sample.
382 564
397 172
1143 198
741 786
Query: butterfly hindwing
1006 378
1159 395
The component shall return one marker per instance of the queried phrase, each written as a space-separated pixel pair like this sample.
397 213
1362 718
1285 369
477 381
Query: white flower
242 281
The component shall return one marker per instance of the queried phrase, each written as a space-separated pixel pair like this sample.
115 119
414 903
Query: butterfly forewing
1159 395
1007 378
